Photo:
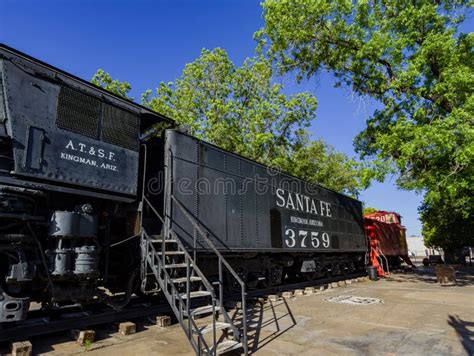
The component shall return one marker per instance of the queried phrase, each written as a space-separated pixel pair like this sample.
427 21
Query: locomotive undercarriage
267 270
55 251
62 250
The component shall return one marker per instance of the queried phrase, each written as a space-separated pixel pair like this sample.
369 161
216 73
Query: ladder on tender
188 291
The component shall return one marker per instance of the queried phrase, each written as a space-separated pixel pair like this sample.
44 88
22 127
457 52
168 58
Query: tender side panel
248 207
63 134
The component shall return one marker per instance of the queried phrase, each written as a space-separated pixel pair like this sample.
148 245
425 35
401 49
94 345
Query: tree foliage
236 108
318 162
104 80
410 57
442 224
242 110
370 210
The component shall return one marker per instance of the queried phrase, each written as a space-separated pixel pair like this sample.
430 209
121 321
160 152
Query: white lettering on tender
281 198
303 203
78 159
305 221
90 151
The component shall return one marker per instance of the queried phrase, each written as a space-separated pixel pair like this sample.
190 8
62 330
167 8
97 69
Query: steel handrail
201 344
195 267
379 251
197 225
204 280
175 293
170 199
200 228
186 253
153 209
378 254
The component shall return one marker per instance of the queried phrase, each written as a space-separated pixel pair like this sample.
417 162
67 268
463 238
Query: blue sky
145 42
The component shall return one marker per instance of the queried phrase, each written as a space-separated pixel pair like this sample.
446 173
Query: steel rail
44 326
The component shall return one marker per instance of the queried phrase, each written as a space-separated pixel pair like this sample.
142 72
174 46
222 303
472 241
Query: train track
44 325
39 323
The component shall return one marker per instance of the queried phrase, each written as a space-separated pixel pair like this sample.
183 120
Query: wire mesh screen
78 112
120 127
82 113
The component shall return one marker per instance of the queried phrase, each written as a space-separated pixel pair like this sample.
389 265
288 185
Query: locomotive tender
76 163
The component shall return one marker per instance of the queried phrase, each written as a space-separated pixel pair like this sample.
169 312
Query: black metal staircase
188 291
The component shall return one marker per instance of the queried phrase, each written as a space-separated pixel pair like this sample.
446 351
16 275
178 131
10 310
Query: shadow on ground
465 332
464 276
265 323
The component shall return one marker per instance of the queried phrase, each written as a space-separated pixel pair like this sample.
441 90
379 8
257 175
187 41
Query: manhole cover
351 299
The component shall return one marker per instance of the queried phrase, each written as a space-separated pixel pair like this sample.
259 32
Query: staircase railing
165 282
222 262
377 252
191 328
380 253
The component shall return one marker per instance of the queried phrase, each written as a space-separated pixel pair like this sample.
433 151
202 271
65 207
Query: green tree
236 108
441 220
411 57
242 110
104 80
370 210
318 162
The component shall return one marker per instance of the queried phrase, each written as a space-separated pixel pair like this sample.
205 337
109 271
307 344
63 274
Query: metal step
207 309
160 240
184 279
248 311
209 328
152 291
154 251
177 265
226 346
197 294
171 253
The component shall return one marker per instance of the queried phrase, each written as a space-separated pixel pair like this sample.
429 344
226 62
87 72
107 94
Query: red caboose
386 241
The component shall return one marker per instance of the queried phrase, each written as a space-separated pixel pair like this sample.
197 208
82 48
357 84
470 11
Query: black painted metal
240 203
66 131
44 150
292 286
154 259
63 135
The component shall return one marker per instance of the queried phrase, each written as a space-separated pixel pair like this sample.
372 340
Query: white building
416 246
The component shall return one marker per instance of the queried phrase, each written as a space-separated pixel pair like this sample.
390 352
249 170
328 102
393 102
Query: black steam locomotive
77 164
